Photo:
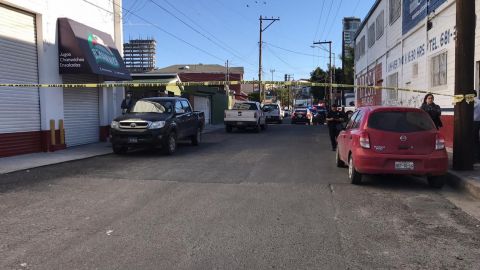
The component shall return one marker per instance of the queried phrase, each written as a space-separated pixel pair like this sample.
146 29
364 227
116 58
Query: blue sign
414 11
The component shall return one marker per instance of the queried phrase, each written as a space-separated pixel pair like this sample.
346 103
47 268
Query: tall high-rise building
350 27
139 55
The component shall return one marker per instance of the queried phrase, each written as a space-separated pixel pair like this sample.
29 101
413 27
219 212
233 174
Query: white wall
417 47
99 16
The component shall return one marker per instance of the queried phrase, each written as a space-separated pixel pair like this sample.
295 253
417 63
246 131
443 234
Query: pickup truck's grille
133 124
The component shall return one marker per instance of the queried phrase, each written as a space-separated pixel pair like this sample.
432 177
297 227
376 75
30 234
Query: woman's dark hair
426 96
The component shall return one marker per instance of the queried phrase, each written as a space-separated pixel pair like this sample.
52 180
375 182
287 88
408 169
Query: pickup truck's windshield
270 107
147 106
244 106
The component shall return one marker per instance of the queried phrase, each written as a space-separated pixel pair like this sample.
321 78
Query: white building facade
52 42
410 44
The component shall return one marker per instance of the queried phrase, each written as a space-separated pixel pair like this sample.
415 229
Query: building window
380 24
362 46
392 81
415 70
371 35
395 10
439 69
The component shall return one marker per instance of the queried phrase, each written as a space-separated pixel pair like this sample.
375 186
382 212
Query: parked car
320 116
392 140
245 115
302 115
273 113
157 122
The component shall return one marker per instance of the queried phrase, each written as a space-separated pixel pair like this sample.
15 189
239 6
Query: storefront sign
84 50
414 11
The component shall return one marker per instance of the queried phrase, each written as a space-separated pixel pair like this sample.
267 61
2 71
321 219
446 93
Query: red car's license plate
404 165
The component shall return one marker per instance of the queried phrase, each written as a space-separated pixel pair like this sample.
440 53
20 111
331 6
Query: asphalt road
272 200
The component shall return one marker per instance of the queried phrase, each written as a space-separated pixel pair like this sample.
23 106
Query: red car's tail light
365 140
439 142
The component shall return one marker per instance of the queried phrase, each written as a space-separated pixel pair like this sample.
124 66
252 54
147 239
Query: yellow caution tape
219 83
469 98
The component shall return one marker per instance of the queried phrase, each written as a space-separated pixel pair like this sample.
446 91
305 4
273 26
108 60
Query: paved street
273 200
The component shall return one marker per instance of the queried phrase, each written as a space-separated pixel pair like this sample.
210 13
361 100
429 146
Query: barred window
380 24
395 10
392 81
362 46
371 35
439 69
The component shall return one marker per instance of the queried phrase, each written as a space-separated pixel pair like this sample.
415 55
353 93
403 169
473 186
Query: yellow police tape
456 98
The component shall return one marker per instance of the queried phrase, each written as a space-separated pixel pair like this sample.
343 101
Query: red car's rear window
400 121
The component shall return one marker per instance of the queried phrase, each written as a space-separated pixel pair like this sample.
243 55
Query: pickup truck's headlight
114 125
156 125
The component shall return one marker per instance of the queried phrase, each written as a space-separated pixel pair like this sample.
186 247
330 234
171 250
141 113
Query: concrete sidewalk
466 181
29 161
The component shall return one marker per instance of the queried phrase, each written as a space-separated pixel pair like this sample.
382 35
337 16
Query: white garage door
202 104
20 107
81 111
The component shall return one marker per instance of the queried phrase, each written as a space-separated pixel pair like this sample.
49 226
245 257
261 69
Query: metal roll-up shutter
202 104
20 106
81 111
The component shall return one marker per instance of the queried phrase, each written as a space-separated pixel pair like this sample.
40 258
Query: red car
392 140
302 115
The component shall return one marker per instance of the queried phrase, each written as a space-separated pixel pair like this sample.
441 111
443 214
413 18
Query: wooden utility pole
272 20
463 152
330 94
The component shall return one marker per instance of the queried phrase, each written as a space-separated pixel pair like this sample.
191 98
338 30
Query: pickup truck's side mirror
179 111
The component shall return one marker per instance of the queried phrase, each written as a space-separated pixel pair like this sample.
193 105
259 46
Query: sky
214 31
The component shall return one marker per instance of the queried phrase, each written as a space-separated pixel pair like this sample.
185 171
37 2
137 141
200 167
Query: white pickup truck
245 115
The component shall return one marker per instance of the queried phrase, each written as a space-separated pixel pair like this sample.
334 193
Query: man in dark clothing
127 103
335 118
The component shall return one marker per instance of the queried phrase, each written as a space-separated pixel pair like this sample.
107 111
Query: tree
319 76
254 96
348 65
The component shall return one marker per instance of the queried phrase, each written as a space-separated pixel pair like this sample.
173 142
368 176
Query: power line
334 17
279 58
288 50
233 51
328 16
165 31
319 20
194 29
356 6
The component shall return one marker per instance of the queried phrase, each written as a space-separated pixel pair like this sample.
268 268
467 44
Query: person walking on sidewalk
476 128
432 109
335 118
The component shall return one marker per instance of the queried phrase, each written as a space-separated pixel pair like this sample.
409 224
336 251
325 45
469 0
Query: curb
53 163
462 183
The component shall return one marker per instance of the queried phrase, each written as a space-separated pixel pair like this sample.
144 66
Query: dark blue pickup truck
157 122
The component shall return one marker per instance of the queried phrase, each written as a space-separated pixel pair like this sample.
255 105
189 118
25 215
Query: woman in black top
432 109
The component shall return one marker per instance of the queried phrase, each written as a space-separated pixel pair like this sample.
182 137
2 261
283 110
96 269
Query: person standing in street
335 118
127 103
432 109
476 128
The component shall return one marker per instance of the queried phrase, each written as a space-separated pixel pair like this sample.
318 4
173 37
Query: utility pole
271 85
330 94
463 152
272 20
227 87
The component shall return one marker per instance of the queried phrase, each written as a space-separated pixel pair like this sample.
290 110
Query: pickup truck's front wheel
119 149
171 144
197 137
